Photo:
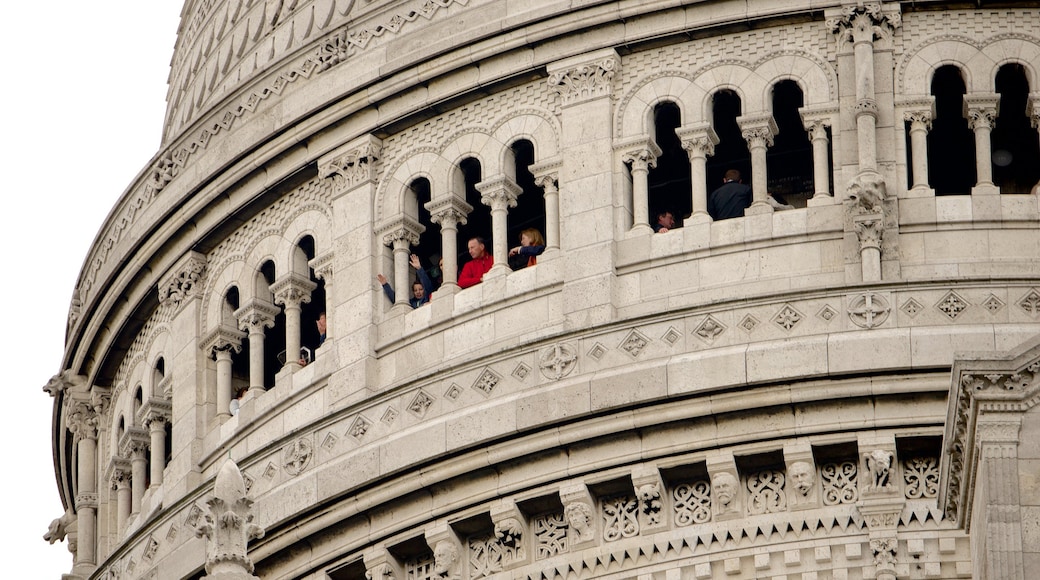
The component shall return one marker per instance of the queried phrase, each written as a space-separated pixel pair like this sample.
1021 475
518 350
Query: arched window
530 205
478 222
951 144
274 338
732 150
789 162
429 248
309 311
138 399
240 359
668 184
1016 150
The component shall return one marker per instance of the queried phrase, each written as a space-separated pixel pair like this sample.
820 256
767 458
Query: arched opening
530 205
732 150
239 360
1015 147
789 162
668 184
158 378
309 311
478 222
274 338
951 144
429 248
138 399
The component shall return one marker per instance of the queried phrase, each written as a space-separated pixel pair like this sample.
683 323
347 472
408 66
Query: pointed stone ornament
228 527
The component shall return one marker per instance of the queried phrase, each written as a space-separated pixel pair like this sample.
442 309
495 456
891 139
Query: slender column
253 318
548 183
817 129
156 424
699 141
138 475
322 266
220 345
290 292
981 112
920 124
401 235
499 193
758 131
82 421
119 477
641 159
449 212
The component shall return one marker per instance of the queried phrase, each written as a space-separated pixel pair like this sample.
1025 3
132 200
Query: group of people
525 254
727 202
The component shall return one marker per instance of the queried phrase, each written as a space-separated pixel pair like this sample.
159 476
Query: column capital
184 280
81 418
499 192
758 129
402 229
818 117
863 22
156 413
353 163
981 110
223 338
118 472
450 209
546 172
292 290
322 266
255 315
639 151
133 440
584 77
698 140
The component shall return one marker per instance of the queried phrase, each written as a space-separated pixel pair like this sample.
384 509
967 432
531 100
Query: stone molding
354 163
585 77
184 280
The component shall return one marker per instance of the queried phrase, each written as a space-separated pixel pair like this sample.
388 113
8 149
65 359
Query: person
665 222
436 271
422 288
778 202
731 199
473 271
532 244
322 326
236 403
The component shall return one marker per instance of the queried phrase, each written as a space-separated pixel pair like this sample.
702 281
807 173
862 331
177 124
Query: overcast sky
83 97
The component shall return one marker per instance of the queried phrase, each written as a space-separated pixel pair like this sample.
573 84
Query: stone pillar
499 193
82 422
981 112
228 526
641 157
997 440
546 176
220 344
291 291
449 212
253 318
322 266
816 122
119 478
401 234
758 131
155 421
134 445
699 141
920 123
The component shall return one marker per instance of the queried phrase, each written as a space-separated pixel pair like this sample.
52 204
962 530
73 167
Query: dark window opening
668 185
732 150
1015 146
239 360
429 248
951 144
789 162
274 338
478 222
530 204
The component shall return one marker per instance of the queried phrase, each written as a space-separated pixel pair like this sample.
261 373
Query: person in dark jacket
731 199
421 288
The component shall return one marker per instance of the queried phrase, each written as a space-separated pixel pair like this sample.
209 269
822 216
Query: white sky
82 99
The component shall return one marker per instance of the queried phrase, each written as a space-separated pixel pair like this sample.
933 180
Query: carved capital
86 500
816 120
865 22
998 431
119 473
866 107
400 231
223 339
256 315
499 192
353 163
228 524
981 110
698 140
292 290
134 440
758 130
641 156
584 77
869 230
322 266
449 211
184 280
81 418
156 413
547 173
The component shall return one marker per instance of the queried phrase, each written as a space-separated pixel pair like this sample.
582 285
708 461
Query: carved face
802 476
443 557
723 486
577 515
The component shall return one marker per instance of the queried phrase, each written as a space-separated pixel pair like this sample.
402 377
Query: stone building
842 390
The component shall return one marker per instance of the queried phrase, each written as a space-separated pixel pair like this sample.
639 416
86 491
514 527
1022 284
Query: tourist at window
665 222
731 199
421 288
532 244
473 271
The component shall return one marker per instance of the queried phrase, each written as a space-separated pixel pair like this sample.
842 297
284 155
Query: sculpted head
802 477
723 487
578 516
444 556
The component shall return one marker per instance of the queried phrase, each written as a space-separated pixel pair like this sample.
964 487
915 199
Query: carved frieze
185 280
557 361
582 79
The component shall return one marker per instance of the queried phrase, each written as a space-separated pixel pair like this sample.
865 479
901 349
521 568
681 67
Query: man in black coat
730 200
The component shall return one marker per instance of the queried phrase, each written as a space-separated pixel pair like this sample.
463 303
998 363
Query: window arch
668 184
429 247
732 150
274 338
1015 147
789 162
951 144
530 205
478 223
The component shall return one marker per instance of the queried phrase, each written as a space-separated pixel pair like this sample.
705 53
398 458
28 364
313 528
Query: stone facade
842 390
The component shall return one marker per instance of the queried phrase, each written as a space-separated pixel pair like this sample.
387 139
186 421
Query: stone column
291 291
920 123
82 422
253 318
758 131
981 112
119 478
401 234
641 157
699 141
499 193
134 444
156 421
220 344
322 266
449 212
546 176
816 122
997 440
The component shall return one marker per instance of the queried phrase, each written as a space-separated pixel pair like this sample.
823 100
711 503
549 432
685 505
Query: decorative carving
642 159
63 381
228 526
585 81
879 467
419 569
445 559
82 419
182 283
359 427
803 477
884 551
993 304
597 351
420 403
911 307
485 556
634 343
709 329
748 323
448 212
487 381
521 371
918 119
1030 303
454 392
292 290
578 516
787 318
723 493
827 313
766 492
297 456
864 22
952 305
550 532
620 518
650 503
557 361
692 503
402 231
58 528
354 166
867 191
510 535
980 117
256 316
869 310
839 483
921 475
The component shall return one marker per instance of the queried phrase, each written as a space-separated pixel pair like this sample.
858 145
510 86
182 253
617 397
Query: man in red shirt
473 271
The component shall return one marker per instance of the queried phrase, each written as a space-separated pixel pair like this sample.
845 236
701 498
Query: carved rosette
183 280
297 456
352 164
584 81
869 310
228 525
557 361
